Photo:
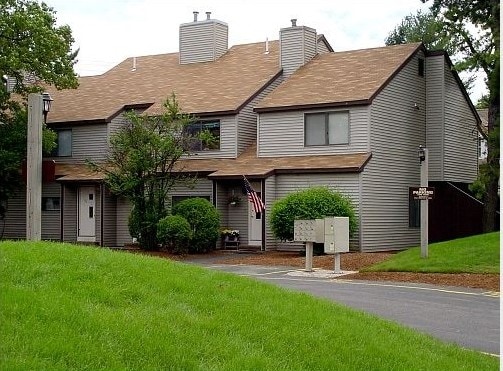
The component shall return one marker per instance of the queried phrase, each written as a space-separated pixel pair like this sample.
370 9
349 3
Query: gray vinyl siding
460 135
51 227
347 184
70 213
238 215
203 41
202 187
222 207
122 216
98 215
297 47
435 98
247 118
114 125
88 142
15 218
395 136
270 198
282 134
109 219
321 47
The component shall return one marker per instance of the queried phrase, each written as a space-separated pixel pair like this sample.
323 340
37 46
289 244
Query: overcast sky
109 31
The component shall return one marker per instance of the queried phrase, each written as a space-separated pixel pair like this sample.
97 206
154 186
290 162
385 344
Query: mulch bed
350 262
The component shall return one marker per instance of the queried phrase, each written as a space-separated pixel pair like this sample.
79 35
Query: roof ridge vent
294 22
195 15
208 16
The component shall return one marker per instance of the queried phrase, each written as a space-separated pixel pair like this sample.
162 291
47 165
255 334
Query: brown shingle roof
76 173
339 78
246 164
252 166
220 86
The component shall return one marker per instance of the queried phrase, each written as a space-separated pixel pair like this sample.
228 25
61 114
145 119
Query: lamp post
38 107
422 154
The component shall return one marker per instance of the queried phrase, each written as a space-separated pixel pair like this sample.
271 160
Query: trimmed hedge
175 233
312 203
204 221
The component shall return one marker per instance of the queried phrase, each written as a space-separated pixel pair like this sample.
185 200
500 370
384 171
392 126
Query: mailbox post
309 231
336 239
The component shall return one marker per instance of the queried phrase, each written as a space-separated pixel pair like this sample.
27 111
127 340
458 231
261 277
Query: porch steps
244 249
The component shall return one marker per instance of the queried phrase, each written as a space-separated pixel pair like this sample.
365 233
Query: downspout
214 190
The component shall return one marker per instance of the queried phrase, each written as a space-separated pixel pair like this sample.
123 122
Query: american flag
258 205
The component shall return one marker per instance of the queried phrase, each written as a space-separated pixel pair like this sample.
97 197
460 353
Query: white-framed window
63 143
326 128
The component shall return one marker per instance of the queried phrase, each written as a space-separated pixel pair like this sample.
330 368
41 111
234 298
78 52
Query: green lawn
73 307
475 254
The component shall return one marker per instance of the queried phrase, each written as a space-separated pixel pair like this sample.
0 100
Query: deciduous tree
140 165
34 52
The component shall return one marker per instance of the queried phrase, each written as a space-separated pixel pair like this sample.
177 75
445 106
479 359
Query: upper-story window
326 128
63 143
205 135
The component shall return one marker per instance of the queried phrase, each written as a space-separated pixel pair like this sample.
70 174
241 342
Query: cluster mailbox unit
333 232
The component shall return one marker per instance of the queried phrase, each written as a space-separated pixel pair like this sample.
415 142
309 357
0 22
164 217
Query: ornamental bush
174 232
204 221
312 203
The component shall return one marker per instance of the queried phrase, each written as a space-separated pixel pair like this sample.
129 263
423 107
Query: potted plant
234 200
230 234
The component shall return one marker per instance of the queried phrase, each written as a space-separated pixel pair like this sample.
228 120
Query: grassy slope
64 306
475 254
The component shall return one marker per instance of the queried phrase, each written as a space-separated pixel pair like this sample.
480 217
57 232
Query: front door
87 215
254 225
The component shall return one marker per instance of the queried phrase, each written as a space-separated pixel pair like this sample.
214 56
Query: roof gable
351 77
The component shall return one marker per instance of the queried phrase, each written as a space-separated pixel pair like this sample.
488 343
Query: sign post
423 193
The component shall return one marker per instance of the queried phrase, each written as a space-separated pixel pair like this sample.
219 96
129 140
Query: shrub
143 226
312 203
204 222
174 232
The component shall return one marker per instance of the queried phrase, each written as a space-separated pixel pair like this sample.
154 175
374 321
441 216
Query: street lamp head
421 154
47 100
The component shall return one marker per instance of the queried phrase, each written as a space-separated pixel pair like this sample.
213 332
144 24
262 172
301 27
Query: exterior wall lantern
47 101
421 154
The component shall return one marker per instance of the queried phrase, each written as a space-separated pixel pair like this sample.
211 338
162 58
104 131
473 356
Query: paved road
468 317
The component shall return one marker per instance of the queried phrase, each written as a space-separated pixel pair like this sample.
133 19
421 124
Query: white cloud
109 31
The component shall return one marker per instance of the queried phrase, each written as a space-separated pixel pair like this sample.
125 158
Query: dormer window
205 135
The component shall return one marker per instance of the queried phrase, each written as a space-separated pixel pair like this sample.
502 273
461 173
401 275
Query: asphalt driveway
468 317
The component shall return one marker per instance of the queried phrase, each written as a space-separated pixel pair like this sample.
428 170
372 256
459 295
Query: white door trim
254 223
86 214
